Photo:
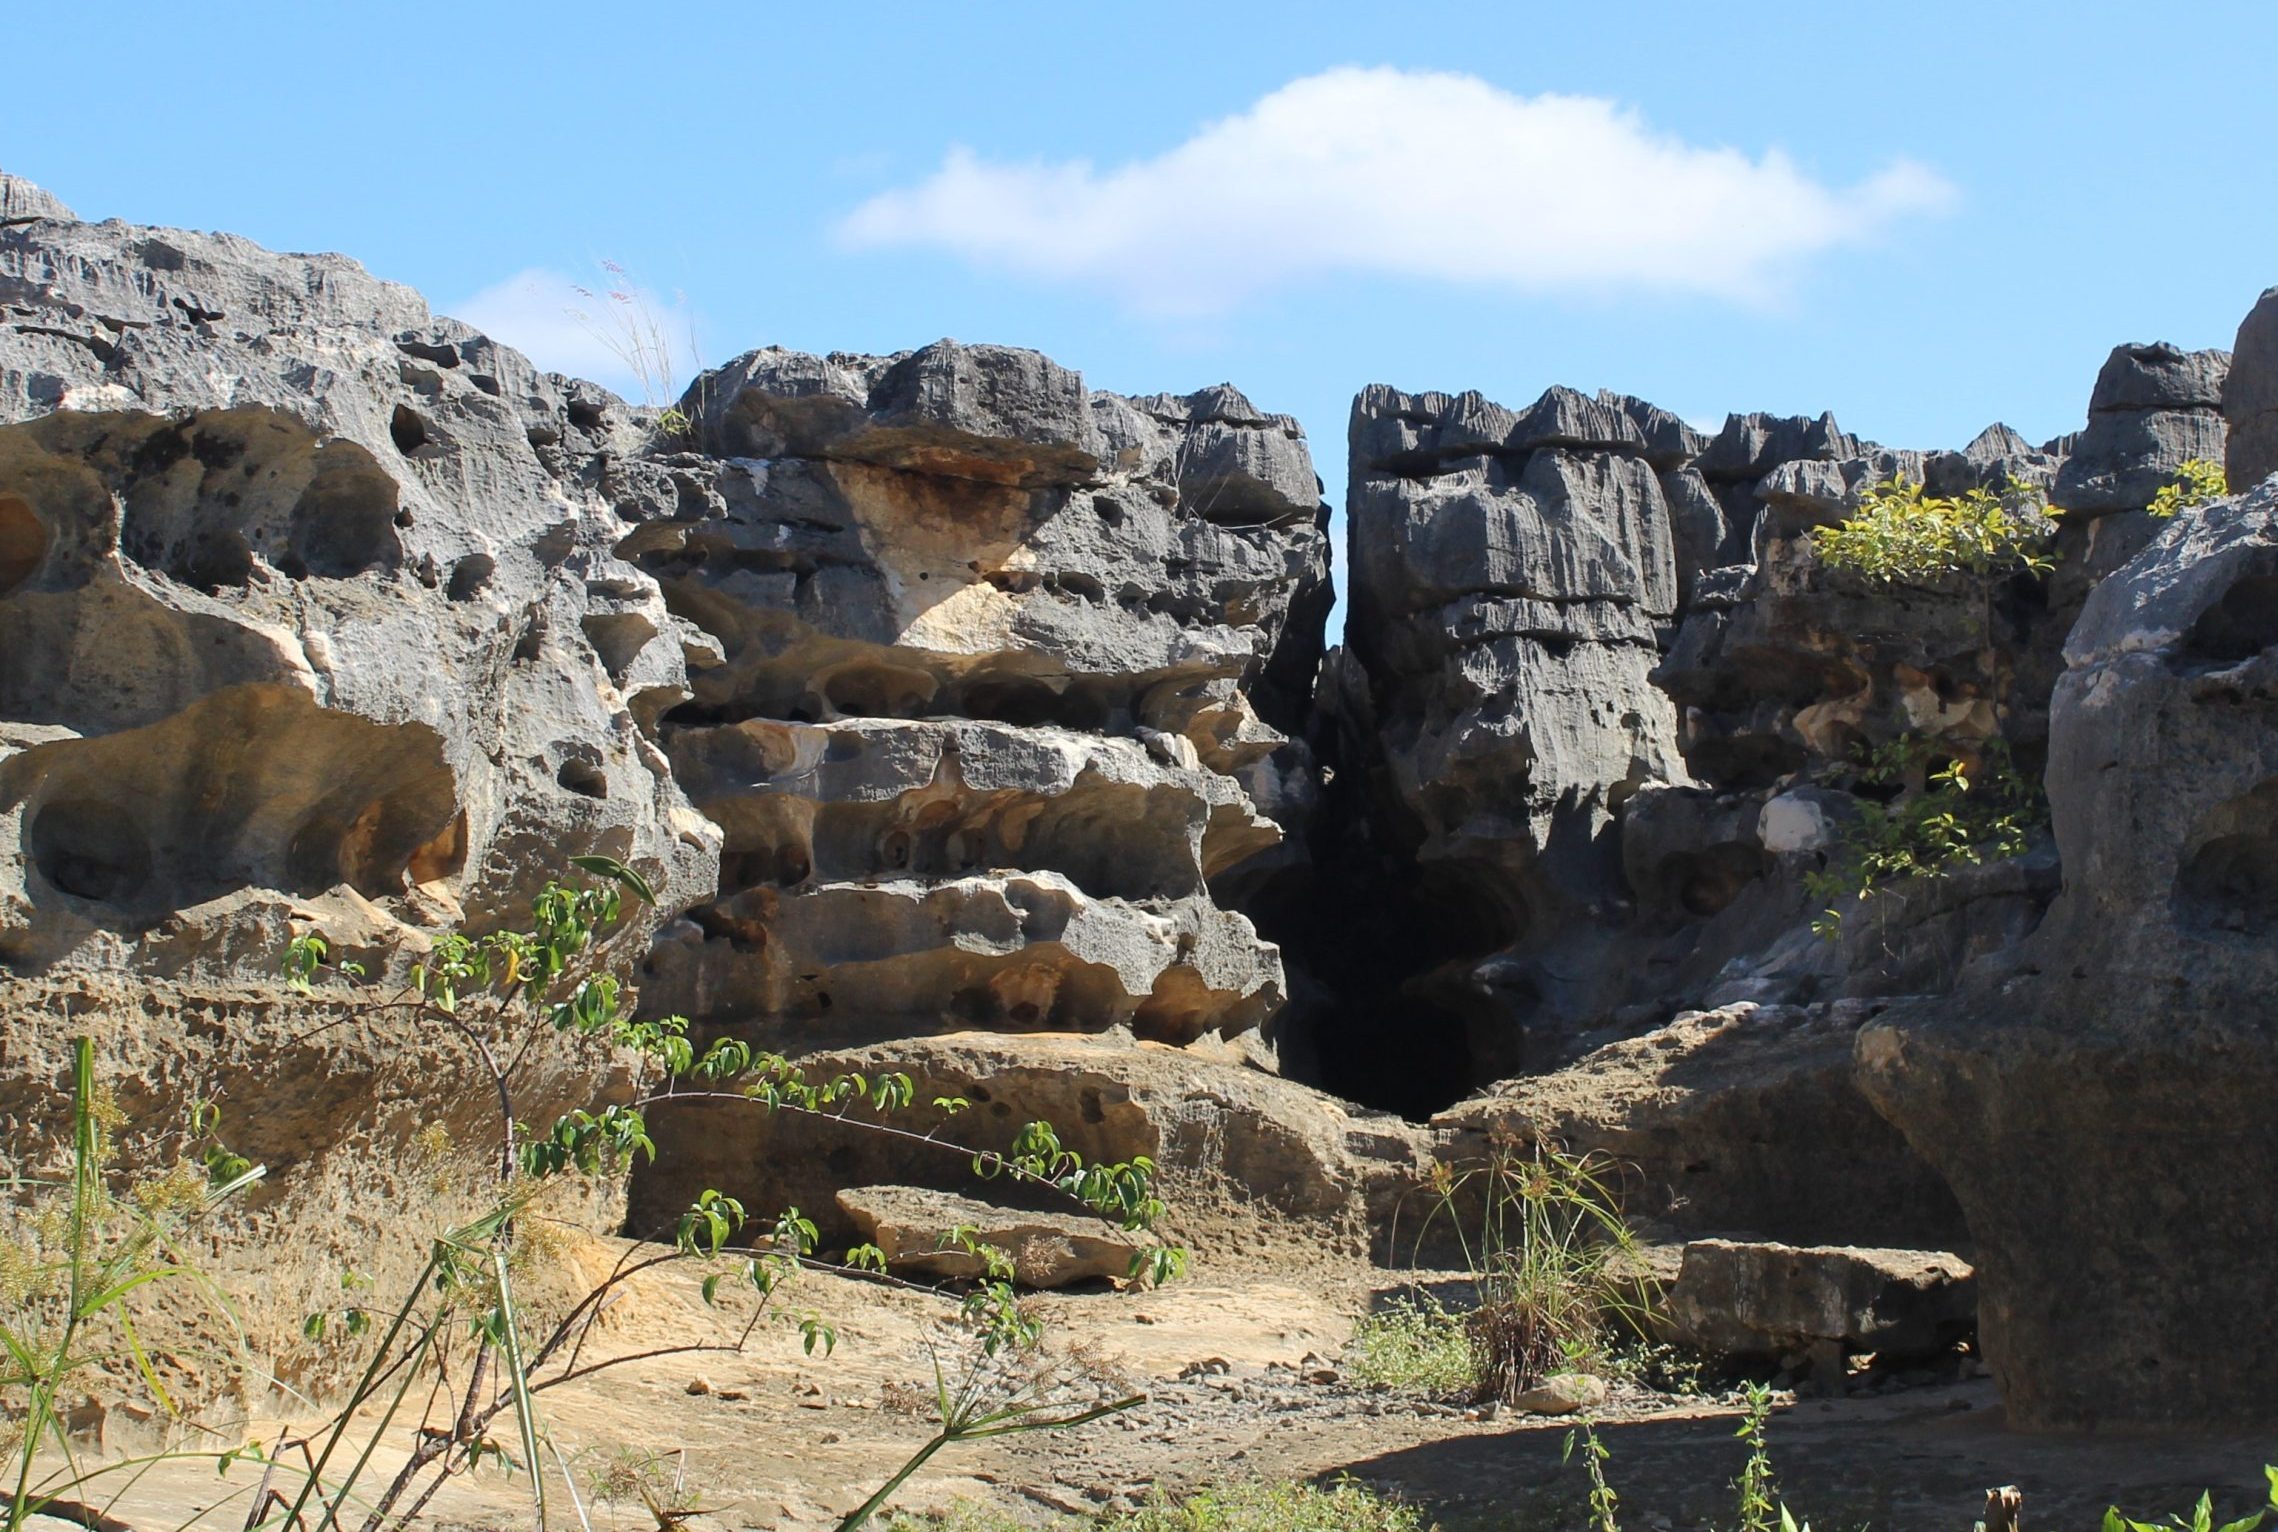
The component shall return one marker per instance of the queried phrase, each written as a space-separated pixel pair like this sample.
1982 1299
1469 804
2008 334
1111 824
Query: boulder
1243 1157
310 612
2154 408
1761 1301
1567 1393
921 1230
1742 1118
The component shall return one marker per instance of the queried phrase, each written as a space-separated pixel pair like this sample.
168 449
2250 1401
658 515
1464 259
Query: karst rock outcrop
984 723
972 722
2098 1098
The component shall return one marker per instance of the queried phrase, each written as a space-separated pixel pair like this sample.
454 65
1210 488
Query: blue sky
1922 217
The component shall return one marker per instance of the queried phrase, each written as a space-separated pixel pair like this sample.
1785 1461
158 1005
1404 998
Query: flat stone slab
1735 1298
912 1225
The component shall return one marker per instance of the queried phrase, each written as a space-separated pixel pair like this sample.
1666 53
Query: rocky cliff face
982 725
948 702
2099 1097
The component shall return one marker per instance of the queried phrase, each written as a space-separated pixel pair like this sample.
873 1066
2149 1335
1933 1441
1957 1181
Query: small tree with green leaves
1948 812
1902 534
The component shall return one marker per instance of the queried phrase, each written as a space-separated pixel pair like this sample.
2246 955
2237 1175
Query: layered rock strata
983 724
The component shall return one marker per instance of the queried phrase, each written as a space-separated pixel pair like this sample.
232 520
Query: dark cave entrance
1410 1057
1385 1010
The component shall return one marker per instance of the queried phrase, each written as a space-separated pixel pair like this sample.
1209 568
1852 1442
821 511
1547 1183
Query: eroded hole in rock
2229 878
469 576
877 691
2238 627
407 430
345 520
1744 762
618 638
1415 1060
443 857
92 848
1393 949
1706 882
24 542
584 778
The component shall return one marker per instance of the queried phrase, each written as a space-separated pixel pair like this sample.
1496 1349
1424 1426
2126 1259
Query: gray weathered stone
2154 408
1754 1300
2250 397
2128 1044
311 605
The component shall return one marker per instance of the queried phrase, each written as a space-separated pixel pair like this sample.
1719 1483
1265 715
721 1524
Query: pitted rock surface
309 610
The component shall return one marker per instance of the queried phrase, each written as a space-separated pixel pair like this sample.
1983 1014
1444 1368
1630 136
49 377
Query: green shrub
1561 1283
1947 814
1903 534
1414 1345
2196 482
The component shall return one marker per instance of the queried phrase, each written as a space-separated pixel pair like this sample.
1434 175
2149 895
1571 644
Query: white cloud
1390 172
590 329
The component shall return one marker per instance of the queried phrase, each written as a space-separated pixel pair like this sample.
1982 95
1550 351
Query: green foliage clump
2202 1517
1561 1282
1903 534
1413 1344
2196 482
1948 813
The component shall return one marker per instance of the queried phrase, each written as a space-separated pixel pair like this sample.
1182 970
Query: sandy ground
1235 1362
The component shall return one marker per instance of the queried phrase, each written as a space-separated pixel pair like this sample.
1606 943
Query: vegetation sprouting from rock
1950 807
1902 534
2197 481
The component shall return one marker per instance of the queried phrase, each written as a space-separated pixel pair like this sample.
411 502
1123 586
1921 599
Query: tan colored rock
1741 1118
1565 1394
1242 1156
917 1229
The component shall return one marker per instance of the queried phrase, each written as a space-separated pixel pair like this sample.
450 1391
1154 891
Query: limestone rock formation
2250 397
1603 712
975 723
1512 573
2097 1098
991 650
2153 408
309 608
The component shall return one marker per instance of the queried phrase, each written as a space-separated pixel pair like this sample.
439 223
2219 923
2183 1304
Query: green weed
1413 1344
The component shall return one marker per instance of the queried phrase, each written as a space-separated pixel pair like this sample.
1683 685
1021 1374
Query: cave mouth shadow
1419 1066
1384 1017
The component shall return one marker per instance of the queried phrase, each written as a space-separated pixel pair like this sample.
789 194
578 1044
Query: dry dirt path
1227 1358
